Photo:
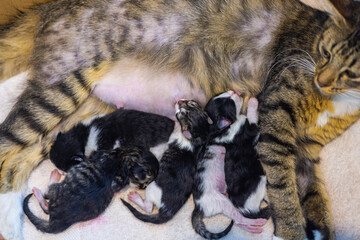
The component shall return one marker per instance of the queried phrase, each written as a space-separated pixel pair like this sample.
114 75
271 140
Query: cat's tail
161 217
39 223
199 225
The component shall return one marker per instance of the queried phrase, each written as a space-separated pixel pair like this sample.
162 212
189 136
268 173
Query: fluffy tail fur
199 225
16 45
162 217
39 223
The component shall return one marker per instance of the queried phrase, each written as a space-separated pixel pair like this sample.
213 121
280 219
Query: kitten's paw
135 198
10 215
40 197
252 107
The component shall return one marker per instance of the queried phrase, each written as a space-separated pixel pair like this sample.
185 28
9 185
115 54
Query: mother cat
303 64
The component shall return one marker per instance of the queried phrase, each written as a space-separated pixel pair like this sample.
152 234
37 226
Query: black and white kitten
125 128
210 186
239 133
174 183
89 187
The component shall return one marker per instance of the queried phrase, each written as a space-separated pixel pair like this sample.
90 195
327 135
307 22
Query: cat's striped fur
256 46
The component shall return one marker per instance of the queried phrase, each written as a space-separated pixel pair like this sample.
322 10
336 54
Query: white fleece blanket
340 167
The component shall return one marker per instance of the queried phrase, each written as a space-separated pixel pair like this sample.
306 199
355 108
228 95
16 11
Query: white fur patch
177 136
276 238
159 150
88 121
10 215
253 202
92 143
343 105
117 144
153 193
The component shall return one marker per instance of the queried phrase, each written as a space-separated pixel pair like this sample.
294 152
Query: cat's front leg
276 151
315 202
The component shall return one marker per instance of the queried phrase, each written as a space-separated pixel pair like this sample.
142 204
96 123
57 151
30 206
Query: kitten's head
338 68
193 120
143 166
66 151
224 110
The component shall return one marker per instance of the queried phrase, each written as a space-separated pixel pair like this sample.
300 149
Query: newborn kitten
210 186
125 128
89 187
244 175
173 186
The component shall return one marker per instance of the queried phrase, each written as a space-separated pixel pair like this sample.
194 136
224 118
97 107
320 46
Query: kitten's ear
187 134
223 123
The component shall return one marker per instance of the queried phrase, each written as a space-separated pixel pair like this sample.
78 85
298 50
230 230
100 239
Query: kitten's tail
162 217
39 223
199 225
263 213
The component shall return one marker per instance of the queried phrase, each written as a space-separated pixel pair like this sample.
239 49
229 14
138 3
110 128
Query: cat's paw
10 215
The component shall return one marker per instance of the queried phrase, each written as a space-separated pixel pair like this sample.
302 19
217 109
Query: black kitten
244 175
89 187
173 186
125 128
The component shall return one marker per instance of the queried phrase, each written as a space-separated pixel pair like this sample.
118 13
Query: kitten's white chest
343 105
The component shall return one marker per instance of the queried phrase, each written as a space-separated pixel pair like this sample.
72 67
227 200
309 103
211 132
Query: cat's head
143 166
193 120
224 110
338 67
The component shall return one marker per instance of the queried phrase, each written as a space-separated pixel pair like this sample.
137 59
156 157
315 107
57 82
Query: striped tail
199 225
39 109
16 45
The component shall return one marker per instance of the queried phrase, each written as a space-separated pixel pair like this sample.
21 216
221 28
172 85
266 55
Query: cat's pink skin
40 197
135 85
137 199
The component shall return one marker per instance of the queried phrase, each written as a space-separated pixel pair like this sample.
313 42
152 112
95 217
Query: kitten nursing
174 183
301 63
243 178
89 187
125 128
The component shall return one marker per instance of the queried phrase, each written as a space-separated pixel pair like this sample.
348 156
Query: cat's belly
135 85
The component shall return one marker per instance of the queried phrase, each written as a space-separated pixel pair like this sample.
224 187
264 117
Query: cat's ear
342 12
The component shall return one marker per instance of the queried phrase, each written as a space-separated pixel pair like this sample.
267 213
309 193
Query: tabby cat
302 63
